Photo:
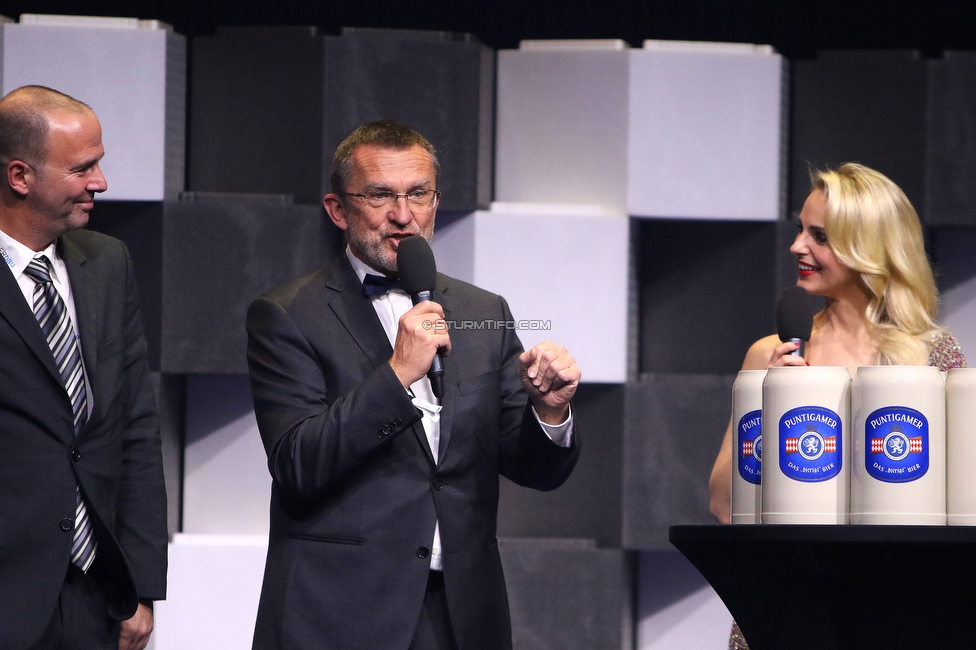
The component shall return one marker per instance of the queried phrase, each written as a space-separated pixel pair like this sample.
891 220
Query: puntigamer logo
810 446
898 440
750 446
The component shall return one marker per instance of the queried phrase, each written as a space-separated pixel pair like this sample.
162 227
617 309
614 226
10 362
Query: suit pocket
329 539
111 347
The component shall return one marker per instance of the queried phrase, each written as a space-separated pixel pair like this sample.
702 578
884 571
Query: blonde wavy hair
873 229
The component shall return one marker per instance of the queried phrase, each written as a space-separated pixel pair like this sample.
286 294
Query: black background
796 29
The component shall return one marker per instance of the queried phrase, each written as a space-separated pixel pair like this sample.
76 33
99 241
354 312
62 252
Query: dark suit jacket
115 458
355 491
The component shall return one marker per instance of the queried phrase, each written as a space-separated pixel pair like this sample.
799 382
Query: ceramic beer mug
898 473
747 446
961 447
806 445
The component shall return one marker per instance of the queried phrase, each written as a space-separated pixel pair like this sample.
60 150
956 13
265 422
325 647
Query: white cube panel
564 276
675 130
226 484
562 127
134 79
959 315
213 589
705 133
676 608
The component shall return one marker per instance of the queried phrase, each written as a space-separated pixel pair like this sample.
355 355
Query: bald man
82 502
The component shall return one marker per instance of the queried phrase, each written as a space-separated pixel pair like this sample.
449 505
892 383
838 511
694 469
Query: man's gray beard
374 251
374 259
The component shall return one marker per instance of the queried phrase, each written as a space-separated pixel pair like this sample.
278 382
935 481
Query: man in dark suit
384 497
82 503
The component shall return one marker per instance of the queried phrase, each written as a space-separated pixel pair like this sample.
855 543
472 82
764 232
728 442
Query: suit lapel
19 314
442 297
84 291
357 315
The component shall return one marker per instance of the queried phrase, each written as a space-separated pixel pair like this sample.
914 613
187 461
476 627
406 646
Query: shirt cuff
560 434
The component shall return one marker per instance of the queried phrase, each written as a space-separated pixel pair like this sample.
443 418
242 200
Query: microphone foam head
794 314
415 262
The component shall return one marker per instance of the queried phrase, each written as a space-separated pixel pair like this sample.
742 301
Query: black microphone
794 317
418 272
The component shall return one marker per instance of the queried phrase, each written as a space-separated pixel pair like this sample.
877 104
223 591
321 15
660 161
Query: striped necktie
52 316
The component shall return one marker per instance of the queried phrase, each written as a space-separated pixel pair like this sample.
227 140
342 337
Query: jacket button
397 422
438 484
67 524
75 455
423 552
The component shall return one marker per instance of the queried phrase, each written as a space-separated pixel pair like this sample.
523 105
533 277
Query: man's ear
17 177
333 205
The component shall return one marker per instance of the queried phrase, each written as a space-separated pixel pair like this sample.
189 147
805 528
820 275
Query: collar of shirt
17 256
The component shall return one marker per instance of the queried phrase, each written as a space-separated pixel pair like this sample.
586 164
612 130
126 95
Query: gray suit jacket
355 490
115 458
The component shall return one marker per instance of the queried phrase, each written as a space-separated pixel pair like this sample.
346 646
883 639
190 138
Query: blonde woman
859 246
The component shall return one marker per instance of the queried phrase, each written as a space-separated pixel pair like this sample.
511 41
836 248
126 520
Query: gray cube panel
442 88
170 399
199 263
567 596
868 107
588 503
673 430
256 112
707 292
139 224
951 157
956 275
218 257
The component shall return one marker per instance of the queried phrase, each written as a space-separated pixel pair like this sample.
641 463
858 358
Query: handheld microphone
794 317
418 272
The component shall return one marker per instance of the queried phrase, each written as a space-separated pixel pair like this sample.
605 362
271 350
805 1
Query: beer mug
747 446
961 447
806 445
898 473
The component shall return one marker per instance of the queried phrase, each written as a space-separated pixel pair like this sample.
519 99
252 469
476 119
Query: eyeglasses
416 199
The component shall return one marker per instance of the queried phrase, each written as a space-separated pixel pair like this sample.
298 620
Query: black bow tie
377 285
